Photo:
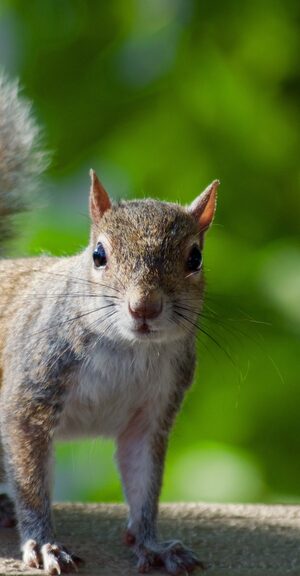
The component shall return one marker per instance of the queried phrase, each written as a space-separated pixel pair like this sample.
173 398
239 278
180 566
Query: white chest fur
113 384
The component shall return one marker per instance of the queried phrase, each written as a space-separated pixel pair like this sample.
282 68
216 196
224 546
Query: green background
161 97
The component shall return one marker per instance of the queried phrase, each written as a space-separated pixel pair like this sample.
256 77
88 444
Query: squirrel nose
146 308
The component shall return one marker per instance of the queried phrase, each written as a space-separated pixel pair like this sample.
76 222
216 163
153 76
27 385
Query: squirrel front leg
29 416
141 455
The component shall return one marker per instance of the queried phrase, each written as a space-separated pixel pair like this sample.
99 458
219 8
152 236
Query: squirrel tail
21 161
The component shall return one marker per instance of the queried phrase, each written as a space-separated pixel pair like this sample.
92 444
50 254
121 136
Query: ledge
231 540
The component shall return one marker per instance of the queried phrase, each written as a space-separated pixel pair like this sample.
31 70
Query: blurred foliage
161 97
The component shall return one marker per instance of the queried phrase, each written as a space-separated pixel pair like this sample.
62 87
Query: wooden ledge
231 540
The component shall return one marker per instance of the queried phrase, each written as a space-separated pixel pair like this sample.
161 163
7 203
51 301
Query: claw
51 559
177 560
55 559
31 555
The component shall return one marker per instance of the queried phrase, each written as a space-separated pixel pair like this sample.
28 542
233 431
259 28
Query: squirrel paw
53 558
7 512
176 558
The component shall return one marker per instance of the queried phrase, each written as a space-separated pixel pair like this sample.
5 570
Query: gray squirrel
97 344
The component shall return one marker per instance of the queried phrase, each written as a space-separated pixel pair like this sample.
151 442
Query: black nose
146 308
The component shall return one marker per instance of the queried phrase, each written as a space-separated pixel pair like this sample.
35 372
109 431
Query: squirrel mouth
143 328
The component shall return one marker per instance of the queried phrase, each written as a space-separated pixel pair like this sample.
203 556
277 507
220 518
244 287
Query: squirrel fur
21 160
97 344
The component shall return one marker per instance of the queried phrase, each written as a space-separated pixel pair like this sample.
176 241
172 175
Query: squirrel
101 343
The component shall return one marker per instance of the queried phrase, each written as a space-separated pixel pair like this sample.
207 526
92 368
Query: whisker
104 332
196 325
70 295
191 274
71 344
190 331
76 278
59 324
215 319
118 280
222 321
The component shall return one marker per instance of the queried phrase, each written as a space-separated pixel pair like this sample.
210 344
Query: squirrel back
21 160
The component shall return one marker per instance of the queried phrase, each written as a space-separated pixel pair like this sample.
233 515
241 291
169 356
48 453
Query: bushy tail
21 161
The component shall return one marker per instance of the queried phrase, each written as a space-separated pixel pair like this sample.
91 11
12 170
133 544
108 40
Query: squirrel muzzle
145 306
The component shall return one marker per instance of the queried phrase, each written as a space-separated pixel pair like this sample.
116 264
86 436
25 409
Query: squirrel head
146 258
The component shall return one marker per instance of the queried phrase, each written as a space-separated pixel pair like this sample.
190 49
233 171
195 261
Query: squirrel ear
204 206
99 199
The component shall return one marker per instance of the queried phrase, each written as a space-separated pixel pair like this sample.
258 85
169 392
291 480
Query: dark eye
194 261
99 256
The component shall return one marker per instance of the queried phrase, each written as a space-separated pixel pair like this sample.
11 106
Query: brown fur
65 323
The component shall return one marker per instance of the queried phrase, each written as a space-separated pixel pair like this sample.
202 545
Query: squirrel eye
194 261
99 256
